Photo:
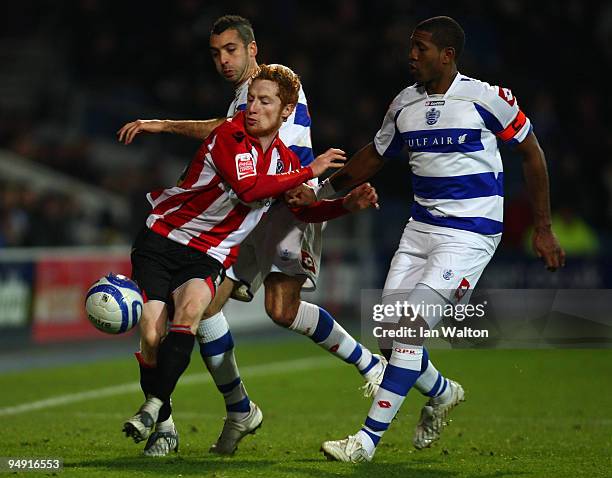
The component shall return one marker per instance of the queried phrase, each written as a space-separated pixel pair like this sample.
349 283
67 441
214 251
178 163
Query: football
114 304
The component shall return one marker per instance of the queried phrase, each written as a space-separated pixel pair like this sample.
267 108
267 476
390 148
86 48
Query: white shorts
450 261
279 243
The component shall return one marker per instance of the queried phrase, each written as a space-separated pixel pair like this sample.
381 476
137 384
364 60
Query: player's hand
332 158
301 196
362 197
127 133
547 247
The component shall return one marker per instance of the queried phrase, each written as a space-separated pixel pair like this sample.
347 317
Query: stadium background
72 199
74 72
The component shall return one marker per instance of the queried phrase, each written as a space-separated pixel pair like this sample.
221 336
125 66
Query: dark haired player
450 124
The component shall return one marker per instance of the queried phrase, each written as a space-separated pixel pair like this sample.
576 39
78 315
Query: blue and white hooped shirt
457 171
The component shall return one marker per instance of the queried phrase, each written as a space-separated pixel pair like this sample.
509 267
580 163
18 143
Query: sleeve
388 140
320 211
502 116
295 132
238 168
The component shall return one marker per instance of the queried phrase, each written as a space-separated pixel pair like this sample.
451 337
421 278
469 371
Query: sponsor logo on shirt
245 165
449 140
435 103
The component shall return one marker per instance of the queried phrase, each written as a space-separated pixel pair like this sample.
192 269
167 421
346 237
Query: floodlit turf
529 413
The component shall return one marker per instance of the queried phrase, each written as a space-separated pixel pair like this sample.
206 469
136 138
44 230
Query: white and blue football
114 304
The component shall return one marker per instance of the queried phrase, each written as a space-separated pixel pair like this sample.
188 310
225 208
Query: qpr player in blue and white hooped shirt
457 171
457 179
450 125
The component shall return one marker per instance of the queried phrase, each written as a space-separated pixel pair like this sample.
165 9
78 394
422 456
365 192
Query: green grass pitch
528 413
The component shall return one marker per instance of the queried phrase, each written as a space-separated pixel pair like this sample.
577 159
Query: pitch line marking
248 371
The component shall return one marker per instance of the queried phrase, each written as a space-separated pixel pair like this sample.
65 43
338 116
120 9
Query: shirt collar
453 85
456 80
238 91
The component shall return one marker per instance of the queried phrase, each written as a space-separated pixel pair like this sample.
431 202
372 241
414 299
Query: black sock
148 377
164 412
172 360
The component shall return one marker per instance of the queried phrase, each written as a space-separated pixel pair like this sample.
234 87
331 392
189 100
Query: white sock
320 326
217 351
400 375
433 384
366 441
152 406
427 379
165 426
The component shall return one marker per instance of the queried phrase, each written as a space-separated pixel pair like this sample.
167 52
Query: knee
188 313
281 314
282 298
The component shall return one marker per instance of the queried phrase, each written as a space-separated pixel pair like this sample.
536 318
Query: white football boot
374 377
434 417
235 430
140 426
349 449
161 443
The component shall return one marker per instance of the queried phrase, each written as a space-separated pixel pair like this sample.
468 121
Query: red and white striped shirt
212 208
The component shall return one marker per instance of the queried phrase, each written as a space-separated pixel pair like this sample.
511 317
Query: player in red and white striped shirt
196 227
224 192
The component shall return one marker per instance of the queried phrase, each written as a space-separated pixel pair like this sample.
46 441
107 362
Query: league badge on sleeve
506 95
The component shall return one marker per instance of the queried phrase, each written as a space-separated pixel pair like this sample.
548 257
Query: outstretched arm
358 199
362 166
190 128
545 243
250 186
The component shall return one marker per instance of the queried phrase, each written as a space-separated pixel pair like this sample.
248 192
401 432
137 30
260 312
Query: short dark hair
236 22
445 32
288 82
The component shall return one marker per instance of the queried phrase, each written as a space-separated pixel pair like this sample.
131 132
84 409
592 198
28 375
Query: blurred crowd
75 71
